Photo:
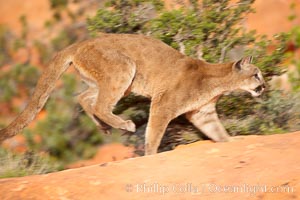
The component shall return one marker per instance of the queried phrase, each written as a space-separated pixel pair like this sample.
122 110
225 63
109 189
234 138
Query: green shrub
29 163
5 36
294 76
24 75
277 112
125 16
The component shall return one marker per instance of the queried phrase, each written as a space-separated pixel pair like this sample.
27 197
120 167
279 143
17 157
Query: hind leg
112 75
87 100
113 85
105 104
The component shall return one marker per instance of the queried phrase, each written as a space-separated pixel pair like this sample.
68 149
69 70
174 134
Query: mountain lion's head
250 77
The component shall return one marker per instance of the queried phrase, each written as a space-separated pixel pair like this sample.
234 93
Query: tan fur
114 65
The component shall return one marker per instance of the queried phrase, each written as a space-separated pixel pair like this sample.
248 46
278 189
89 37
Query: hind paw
129 126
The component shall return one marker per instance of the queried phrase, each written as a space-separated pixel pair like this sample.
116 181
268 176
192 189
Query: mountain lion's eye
256 76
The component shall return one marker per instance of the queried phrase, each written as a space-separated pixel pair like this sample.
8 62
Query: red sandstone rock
107 153
232 170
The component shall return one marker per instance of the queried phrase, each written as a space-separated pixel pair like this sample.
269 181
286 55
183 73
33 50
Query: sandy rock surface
251 167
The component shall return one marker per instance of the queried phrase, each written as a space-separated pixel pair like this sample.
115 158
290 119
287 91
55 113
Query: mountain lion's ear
243 62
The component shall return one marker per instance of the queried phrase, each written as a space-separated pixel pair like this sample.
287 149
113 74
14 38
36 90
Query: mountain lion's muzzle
258 90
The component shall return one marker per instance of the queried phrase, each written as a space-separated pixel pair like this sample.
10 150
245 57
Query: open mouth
258 90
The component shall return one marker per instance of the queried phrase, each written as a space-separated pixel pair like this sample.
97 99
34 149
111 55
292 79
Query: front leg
159 118
206 119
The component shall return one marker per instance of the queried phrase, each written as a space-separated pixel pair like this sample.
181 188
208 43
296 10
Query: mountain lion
113 65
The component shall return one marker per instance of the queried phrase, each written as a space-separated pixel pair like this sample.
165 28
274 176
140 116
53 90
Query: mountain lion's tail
44 87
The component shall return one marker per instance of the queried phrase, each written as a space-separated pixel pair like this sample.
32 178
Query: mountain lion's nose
260 88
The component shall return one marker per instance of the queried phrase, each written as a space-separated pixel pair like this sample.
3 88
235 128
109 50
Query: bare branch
223 52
